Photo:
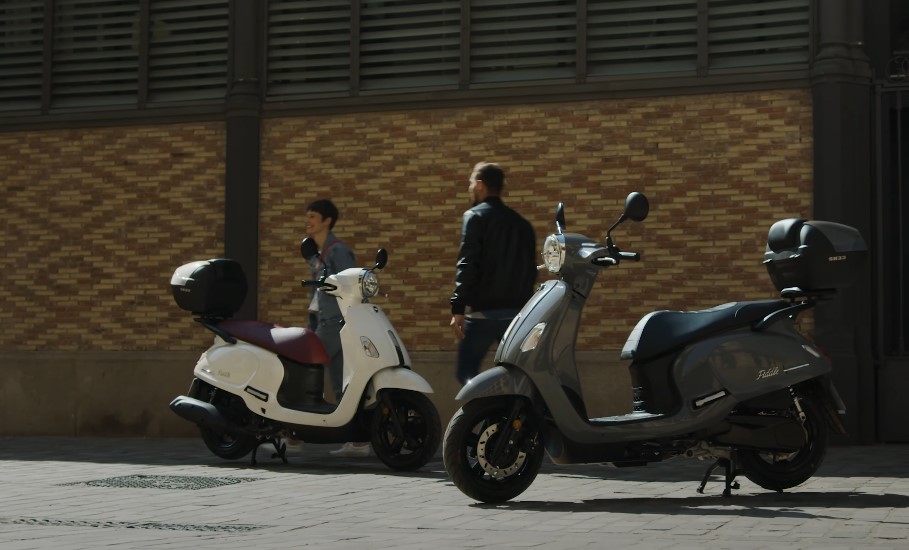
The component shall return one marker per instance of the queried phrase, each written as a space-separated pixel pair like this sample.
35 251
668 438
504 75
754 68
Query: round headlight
369 284
553 254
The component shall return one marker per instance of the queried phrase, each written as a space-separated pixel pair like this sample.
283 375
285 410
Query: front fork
387 408
512 433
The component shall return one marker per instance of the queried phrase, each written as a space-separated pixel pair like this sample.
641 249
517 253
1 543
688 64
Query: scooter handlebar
631 256
318 284
606 261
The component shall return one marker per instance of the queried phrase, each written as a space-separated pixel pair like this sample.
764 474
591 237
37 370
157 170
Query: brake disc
493 470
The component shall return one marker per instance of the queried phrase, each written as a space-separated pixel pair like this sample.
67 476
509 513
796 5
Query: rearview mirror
308 248
636 207
381 258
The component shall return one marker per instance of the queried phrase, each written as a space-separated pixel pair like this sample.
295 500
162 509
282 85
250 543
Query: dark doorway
892 259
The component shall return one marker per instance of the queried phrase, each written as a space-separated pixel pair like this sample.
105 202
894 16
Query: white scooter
261 383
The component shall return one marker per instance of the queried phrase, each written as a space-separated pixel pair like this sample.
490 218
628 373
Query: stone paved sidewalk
87 493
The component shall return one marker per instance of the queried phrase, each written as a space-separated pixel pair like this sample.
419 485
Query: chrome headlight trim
369 283
553 253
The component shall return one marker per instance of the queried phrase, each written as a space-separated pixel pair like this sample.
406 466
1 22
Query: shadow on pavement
764 505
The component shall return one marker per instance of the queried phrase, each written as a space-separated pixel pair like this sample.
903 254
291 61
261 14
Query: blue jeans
329 332
479 335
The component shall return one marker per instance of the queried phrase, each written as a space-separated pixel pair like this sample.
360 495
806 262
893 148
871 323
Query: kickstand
280 449
729 465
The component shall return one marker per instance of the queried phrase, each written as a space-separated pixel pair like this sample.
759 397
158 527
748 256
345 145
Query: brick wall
96 220
718 170
94 223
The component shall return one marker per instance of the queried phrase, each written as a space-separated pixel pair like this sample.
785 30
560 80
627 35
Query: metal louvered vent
21 50
758 32
642 36
408 43
529 40
308 47
187 55
95 58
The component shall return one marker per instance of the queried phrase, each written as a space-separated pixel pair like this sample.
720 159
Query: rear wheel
228 446
483 465
405 431
782 470
224 444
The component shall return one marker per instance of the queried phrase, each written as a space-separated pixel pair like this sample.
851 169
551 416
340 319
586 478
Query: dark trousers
479 336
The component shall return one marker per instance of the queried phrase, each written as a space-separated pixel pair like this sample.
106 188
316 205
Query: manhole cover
181 483
49 522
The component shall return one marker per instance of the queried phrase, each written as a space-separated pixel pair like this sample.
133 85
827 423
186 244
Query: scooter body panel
745 364
256 374
714 374
235 367
260 390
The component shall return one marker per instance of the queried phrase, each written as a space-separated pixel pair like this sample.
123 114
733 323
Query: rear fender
819 389
824 391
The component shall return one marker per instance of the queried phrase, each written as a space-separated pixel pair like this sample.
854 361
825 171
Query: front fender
398 378
499 381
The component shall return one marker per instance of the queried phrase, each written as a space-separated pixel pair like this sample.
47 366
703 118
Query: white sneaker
292 446
351 450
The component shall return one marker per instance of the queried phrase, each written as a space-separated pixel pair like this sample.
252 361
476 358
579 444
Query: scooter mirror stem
560 218
609 244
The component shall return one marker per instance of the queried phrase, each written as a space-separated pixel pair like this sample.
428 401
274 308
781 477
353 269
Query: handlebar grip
319 284
631 256
605 261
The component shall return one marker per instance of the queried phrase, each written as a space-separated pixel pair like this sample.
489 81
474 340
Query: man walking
496 269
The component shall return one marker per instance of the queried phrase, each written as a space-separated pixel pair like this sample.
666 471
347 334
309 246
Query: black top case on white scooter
210 288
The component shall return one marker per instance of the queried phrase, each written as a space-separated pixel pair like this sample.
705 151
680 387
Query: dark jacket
497 261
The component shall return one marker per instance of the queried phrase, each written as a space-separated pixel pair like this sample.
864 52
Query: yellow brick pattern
96 220
718 170
94 223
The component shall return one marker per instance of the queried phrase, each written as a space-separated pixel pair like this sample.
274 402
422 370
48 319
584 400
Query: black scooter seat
664 331
300 344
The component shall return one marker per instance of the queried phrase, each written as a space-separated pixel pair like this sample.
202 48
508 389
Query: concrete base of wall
127 393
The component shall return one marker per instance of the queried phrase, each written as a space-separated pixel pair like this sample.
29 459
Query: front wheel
405 431
782 470
482 464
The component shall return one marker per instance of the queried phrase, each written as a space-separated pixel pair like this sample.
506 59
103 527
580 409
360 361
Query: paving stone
188 498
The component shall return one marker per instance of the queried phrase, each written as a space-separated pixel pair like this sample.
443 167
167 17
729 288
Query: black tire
222 444
419 421
228 446
776 471
471 430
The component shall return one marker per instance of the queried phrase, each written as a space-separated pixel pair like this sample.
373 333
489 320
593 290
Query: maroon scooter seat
298 344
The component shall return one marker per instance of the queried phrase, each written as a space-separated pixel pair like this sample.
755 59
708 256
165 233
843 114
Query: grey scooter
736 384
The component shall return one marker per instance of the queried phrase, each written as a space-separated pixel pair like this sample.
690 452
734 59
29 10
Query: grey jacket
336 256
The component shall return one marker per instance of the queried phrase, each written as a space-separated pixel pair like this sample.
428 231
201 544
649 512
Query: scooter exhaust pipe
204 414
